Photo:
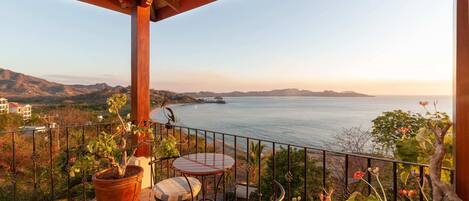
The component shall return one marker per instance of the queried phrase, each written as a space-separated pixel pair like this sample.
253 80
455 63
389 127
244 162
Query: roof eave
157 13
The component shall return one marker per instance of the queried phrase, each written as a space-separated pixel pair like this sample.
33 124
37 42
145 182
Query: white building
23 110
4 109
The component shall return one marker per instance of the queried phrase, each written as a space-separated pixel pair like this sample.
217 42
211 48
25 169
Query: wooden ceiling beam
145 3
174 4
184 5
173 7
114 5
127 3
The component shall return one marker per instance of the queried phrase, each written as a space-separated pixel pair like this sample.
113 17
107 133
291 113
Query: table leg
190 186
204 188
218 184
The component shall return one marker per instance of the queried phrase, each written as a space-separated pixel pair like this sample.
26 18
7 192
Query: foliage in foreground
114 150
295 176
429 143
10 122
386 128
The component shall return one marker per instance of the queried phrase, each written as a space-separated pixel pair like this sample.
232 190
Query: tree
439 124
354 140
314 182
113 149
10 122
386 128
70 115
254 150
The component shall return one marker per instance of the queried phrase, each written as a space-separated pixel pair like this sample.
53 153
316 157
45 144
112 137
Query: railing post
394 180
34 158
248 168
224 177
13 163
274 176
205 141
346 176
188 141
288 172
368 174
196 141
180 140
324 169
214 143
305 174
235 165
421 177
68 162
83 179
52 196
215 176
259 169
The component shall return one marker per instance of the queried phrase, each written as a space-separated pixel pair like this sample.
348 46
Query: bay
310 121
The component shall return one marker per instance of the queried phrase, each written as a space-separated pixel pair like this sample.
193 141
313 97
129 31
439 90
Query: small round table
204 164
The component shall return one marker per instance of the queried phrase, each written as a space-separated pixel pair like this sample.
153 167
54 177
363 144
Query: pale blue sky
370 46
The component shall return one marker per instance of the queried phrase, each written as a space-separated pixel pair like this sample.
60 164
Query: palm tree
254 150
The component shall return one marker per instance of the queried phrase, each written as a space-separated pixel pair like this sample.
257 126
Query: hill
28 89
13 84
279 92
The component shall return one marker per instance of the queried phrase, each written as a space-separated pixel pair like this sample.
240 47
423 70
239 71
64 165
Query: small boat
217 99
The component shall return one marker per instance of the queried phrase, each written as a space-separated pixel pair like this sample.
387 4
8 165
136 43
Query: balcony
35 166
333 167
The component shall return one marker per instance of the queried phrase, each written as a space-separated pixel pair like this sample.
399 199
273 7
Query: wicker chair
175 188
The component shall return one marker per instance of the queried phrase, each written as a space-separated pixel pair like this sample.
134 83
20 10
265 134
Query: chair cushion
176 189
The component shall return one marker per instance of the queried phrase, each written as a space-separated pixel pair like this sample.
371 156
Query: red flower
322 197
72 159
423 103
403 130
358 175
408 193
403 192
411 193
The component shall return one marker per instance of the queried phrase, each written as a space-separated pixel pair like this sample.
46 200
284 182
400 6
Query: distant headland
278 92
32 90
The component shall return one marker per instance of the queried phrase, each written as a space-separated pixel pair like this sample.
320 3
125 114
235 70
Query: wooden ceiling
160 9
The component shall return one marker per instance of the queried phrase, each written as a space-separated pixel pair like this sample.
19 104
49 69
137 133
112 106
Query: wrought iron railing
34 165
335 168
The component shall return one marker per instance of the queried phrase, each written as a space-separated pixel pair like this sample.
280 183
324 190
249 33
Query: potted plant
111 152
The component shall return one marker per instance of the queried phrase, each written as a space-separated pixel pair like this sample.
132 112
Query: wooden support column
462 99
140 89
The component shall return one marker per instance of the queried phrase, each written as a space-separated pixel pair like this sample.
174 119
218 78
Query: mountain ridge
19 85
278 92
25 88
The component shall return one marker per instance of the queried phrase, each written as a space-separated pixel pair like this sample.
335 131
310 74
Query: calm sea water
299 120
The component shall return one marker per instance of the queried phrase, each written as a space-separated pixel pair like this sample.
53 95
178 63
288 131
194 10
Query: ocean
310 121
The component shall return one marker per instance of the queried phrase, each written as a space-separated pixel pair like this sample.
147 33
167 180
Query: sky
389 47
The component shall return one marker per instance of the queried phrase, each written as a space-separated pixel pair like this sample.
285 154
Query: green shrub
314 172
385 129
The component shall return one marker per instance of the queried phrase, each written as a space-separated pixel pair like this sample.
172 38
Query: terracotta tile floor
145 195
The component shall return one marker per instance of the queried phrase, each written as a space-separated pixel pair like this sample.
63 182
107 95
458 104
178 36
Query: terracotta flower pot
128 188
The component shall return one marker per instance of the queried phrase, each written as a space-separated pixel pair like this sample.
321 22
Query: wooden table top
203 164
